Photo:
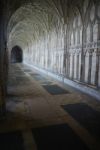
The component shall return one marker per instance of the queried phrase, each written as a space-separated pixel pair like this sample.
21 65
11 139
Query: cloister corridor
49 74
37 115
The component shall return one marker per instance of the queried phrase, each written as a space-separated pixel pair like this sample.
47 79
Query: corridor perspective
49 74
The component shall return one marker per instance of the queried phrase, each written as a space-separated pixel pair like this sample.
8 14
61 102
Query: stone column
90 64
77 67
3 60
73 66
82 70
97 68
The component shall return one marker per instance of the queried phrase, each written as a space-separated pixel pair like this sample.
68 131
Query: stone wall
3 59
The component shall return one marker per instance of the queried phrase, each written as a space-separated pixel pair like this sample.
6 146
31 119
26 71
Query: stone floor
30 106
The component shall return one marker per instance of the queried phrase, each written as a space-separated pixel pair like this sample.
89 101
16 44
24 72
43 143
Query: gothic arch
16 55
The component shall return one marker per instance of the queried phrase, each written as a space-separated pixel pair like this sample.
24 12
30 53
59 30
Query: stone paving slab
86 116
57 137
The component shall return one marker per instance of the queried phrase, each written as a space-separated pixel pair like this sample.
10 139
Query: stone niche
92 13
88 34
95 31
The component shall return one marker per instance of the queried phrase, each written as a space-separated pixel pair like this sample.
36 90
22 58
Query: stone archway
16 55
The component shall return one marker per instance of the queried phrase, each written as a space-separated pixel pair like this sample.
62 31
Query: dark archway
16 55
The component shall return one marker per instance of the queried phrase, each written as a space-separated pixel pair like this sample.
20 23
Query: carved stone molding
92 45
75 51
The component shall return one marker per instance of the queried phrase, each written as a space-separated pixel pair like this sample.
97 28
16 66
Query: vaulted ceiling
29 20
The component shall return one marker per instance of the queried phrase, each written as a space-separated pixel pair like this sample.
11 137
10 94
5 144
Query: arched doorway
16 55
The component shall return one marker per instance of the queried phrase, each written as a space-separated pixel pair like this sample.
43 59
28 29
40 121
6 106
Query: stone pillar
77 67
82 69
90 65
3 60
73 58
68 65
97 67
